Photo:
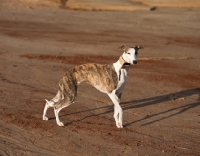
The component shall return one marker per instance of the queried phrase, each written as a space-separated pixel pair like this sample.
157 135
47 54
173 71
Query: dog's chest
122 75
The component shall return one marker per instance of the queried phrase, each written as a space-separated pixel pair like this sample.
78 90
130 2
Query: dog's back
102 77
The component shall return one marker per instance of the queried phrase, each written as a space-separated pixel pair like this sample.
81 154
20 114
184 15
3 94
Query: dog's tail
66 93
49 103
60 96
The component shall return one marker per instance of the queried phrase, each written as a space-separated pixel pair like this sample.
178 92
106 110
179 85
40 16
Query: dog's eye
129 53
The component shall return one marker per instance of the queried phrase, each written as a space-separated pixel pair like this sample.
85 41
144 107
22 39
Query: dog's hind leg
50 104
45 110
57 110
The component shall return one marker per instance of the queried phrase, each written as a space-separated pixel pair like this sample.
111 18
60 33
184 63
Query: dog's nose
134 62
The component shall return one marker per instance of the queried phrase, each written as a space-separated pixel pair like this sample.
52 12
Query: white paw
45 118
119 125
60 124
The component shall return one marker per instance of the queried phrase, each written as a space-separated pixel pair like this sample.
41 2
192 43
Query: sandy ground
161 102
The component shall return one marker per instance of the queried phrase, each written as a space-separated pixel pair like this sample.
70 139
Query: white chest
122 75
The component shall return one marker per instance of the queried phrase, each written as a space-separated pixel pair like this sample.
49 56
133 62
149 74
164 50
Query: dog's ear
123 47
137 47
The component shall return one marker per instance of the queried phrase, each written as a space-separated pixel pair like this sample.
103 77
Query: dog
107 78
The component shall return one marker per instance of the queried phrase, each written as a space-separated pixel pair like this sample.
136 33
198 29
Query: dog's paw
60 124
45 118
119 125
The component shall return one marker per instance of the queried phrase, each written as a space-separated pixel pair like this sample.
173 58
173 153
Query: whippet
108 78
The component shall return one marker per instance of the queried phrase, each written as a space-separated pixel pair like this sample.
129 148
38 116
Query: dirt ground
161 101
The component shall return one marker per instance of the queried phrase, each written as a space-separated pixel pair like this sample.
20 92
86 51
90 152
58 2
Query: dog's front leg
116 116
118 112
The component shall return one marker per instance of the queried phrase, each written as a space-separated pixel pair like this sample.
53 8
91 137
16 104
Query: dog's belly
120 87
101 89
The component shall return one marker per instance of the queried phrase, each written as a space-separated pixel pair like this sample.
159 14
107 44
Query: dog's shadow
182 95
147 102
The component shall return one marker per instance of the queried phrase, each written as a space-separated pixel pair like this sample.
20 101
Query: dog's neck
121 64
124 64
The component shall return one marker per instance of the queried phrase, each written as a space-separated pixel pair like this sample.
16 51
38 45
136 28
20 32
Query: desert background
41 40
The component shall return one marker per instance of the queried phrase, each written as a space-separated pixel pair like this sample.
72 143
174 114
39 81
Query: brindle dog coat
108 78
100 76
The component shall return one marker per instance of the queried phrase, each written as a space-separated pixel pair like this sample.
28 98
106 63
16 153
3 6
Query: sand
40 41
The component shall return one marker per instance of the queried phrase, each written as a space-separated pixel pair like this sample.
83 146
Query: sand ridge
127 5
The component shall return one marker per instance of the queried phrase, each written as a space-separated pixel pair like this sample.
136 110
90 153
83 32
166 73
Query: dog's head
130 53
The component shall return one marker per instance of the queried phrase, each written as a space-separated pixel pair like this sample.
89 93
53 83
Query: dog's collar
126 65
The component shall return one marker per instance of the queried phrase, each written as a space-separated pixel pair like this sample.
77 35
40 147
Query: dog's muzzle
134 62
